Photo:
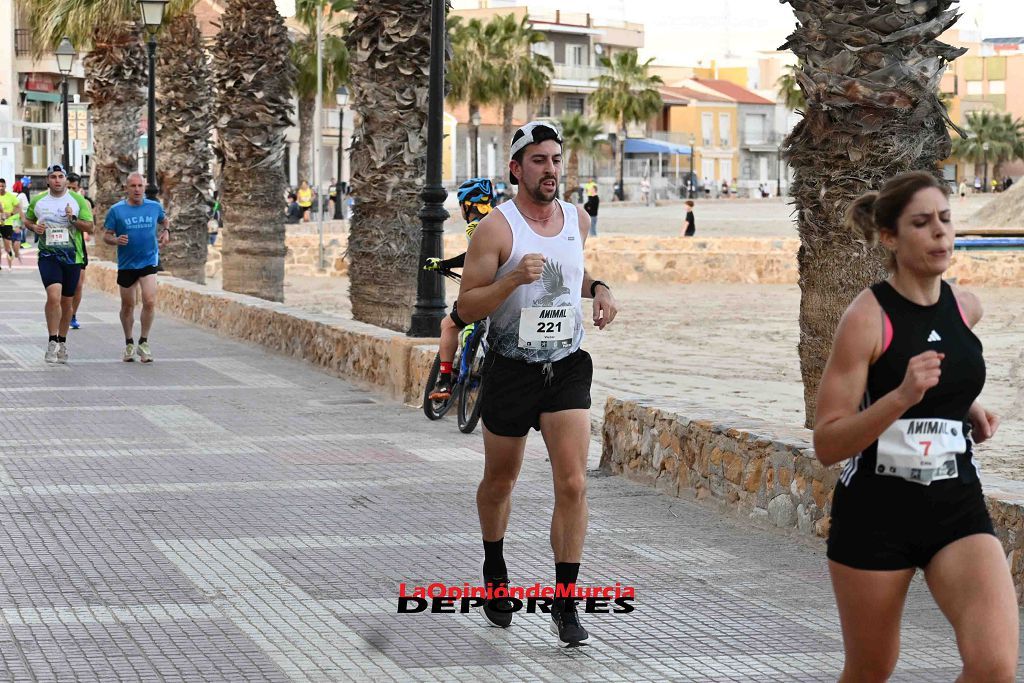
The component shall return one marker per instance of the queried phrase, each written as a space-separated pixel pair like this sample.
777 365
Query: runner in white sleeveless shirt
524 269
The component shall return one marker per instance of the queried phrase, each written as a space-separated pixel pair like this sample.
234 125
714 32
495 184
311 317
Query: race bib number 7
547 327
921 450
58 236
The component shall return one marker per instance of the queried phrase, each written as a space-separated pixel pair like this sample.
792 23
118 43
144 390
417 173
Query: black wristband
593 287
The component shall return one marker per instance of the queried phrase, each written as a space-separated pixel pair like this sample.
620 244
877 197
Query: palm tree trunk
307 107
572 175
390 43
864 123
506 126
115 82
253 110
184 121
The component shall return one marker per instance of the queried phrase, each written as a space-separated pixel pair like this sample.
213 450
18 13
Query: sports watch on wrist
593 287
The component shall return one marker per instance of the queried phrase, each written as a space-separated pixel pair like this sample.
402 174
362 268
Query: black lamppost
65 54
152 16
692 181
430 304
341 97
778 170
475 120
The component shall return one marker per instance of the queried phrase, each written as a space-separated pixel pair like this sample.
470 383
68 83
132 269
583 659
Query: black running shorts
127 278
7 232
901 527
516 393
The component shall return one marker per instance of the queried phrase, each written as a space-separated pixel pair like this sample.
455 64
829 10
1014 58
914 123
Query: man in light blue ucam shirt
138 227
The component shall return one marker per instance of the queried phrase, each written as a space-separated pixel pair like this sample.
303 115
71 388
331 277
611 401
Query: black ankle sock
61 340
129 340
494 559
53 337
143 340
566 574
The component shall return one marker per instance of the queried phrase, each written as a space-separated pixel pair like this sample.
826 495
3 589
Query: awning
42 96
652 146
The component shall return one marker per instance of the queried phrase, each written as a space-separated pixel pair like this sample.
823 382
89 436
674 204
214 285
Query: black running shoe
497 612
565 623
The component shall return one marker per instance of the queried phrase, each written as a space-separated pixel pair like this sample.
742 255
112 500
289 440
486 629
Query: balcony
579 74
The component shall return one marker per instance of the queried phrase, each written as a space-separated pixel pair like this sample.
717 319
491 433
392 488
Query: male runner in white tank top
524 269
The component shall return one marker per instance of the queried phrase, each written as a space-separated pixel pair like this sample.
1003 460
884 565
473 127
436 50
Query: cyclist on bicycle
476 199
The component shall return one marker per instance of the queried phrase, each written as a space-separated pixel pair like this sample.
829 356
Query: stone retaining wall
769 473
639 258
387 360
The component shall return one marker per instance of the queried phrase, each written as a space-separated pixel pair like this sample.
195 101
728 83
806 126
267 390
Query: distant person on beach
963 190
690 229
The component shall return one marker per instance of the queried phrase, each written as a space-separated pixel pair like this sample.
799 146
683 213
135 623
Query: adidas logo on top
934 336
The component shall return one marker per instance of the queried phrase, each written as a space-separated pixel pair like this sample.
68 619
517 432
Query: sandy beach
734 347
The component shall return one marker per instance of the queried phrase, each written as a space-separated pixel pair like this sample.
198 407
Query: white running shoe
145 356
62 352
129 353
51 352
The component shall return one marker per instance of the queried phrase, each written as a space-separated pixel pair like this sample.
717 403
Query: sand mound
1005 211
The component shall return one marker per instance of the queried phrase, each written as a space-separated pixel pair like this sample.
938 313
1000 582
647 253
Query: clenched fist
923 372
529 269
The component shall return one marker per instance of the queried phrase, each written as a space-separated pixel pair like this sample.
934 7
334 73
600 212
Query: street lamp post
65 54
778 170
691 182
475 120
152 16
341 96
430 304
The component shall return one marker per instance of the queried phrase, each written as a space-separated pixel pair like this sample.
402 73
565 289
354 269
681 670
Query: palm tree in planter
870 113
184 123
253 79
389 44
626 94
579 136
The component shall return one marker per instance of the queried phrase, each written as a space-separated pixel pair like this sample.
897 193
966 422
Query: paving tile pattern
228 515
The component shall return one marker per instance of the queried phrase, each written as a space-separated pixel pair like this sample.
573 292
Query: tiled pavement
229 515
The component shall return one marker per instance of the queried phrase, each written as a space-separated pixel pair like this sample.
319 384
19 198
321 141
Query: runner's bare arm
970 304
605 305
841 429
480 294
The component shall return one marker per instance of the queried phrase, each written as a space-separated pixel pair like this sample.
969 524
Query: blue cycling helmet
478 193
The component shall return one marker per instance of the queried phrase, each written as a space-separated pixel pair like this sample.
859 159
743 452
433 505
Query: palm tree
870 114
184 122
253 81
335 67
470 74
789 89
579 136
390 45
625 95
115 70
520 74
993 138
115 82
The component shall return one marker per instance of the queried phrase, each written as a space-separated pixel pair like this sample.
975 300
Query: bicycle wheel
470 398
435 410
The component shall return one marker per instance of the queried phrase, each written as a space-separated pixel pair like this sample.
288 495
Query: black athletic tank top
915 329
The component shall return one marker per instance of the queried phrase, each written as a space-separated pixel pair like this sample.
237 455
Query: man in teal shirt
59 216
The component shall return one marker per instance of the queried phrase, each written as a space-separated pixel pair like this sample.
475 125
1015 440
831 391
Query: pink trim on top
886 331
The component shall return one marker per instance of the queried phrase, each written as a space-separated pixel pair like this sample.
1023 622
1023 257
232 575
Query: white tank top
559 287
